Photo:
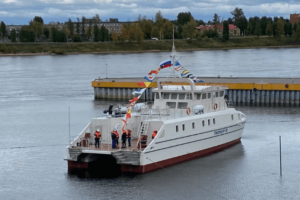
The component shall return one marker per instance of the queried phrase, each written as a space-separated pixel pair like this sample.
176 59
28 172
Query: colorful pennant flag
149 78
139 91
165 64
144 84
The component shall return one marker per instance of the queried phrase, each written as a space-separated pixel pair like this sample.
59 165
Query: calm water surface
35 95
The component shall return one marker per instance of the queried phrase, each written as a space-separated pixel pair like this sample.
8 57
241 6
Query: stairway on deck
127 157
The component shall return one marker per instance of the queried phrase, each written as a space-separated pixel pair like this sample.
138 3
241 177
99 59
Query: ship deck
108 147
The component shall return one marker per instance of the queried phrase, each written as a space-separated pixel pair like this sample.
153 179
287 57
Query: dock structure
277 91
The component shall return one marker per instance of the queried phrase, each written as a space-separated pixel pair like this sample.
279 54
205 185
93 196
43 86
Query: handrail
79 136
157 136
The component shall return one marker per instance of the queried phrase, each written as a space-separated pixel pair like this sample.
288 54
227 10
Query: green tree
131 32
83 21
216 19
96 33
13 35
280 28
27 34
70 26
159 20
78 26
114 36
103 34
38 28
89 30
46 32
3 30
155 32
76 38
295 26
237 12
168 29
269 29
263 25
189 29
274 27
290 29
183 18
139 35
61 36
38 19
242 23
257 31
286 28
180 32
123 35
225 31
297 33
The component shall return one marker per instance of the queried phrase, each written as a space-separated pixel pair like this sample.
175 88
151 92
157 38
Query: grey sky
21 11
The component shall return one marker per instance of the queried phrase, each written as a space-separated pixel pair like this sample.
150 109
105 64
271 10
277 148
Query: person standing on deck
113 139
97 137
154 134
117 138
124 134
129 134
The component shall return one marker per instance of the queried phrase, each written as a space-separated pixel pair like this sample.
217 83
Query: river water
37 91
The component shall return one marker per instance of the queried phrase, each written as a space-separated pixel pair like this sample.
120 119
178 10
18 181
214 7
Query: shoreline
148 51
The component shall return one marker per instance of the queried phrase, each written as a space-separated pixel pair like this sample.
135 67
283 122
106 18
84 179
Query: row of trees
144 28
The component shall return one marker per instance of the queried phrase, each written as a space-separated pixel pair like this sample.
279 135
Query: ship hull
176 160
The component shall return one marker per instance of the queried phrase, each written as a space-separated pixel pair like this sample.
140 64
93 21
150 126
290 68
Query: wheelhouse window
221 93
208 122
176 128
171 104
173 96
208 95
214 121
203 123
204 96
183 127
166 95
231 117
198 96
182 105
193 125
181 96
217 94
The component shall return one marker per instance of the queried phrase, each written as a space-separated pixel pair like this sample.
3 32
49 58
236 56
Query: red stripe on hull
77 165
179 159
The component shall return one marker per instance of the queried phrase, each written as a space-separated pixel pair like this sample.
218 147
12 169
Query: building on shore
233 30
294 18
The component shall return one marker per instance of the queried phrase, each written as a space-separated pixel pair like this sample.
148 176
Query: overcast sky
21 11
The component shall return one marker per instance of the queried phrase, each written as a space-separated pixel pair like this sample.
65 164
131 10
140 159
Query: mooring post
280 155
69 126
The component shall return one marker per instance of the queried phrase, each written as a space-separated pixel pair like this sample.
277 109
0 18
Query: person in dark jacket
124 135
113 139
129 134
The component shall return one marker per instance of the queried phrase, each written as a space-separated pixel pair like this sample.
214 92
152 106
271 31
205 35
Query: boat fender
286 85
215 106
188 111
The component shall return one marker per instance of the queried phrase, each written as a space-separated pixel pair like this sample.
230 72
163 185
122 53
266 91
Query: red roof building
294 18
233 30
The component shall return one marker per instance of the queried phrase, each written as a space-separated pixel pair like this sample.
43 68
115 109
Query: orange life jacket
117 134
154 134
97 134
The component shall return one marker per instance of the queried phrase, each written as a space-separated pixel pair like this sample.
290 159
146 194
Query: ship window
166 95
198 96
171 104
208 122
183 127
176 128
232 117
181 96
203 123
193 125
157 96
208 95
189 96
221 93
214 121
182 105
204 96
217 94
173 96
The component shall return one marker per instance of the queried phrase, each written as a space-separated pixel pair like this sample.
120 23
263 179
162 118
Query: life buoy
188 111
215 106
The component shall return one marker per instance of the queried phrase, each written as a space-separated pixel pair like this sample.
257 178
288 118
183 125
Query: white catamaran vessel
191 121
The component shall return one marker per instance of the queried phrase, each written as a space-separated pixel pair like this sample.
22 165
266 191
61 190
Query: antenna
173 58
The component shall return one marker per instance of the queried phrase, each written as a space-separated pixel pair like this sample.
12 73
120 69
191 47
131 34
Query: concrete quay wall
282 91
